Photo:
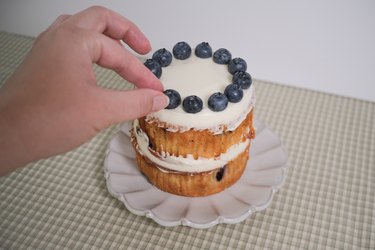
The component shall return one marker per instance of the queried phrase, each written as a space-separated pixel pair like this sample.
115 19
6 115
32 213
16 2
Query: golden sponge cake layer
197 143
193 184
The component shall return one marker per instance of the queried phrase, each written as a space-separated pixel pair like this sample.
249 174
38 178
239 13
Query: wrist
16 148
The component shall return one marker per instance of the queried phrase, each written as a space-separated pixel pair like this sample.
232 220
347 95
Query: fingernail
159 102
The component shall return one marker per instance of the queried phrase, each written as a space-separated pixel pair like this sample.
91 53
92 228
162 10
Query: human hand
52 103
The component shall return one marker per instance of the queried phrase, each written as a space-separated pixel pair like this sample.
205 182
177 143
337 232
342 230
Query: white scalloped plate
263 177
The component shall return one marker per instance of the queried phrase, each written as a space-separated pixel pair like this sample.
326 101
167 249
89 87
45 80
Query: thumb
120 106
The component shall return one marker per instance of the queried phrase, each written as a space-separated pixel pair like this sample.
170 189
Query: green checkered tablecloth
327 201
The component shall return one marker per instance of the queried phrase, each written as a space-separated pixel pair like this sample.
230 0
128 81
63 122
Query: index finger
112 24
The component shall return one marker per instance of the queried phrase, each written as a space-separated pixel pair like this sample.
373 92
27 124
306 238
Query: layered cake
199 144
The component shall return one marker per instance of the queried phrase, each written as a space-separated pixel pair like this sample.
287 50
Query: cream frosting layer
185 164
201 77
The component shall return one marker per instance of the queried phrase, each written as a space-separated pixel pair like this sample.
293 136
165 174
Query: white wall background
322 45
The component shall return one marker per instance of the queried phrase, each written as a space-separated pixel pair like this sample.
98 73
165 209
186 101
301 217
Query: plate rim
184 221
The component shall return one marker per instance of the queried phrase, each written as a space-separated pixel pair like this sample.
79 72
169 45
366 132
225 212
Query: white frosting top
201 77
186 164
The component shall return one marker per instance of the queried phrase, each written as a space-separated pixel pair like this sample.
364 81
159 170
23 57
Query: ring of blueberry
217 101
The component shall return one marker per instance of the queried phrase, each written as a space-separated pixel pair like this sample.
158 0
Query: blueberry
220 173
192 104
203 50
154 67
181 50
150 144
237 64
242 79
163 57
217 102
222 56
234 93
174 98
